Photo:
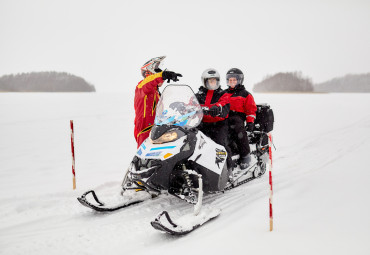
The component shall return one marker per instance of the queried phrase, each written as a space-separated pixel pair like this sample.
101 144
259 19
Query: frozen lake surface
321 180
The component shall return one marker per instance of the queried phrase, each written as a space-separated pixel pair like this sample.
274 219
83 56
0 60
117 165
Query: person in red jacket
214 123
147 96
242 108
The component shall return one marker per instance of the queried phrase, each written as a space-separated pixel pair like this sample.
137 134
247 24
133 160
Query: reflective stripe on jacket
145 103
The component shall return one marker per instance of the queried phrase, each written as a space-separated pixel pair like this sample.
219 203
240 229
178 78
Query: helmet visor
212 83
238 77
158 66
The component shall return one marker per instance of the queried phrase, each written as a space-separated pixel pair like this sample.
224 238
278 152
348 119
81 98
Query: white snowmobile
179 159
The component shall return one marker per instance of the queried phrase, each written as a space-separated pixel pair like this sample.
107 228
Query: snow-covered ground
321 181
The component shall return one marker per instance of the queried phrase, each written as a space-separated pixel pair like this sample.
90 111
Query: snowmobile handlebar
205 110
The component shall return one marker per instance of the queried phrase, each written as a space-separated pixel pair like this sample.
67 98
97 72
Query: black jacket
210 98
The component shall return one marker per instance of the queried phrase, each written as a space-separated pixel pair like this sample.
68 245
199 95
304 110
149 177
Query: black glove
250 126
214 111
168 75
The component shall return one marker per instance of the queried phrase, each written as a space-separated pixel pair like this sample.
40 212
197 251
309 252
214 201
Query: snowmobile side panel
212 155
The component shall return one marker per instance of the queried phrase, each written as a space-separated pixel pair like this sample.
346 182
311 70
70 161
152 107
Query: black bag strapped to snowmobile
264 121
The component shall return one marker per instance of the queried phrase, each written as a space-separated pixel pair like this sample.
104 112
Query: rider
214 123
147 96
242 108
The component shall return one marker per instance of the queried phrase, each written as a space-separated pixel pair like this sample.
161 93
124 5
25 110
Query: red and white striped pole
270 180
73 156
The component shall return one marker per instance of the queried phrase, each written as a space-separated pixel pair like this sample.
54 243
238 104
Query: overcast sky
106 42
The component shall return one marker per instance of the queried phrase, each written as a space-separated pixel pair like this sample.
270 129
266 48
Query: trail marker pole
73 155
270 180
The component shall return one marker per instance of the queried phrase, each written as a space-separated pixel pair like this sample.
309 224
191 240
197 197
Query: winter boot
245 162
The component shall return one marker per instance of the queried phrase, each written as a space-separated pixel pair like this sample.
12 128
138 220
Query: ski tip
167 225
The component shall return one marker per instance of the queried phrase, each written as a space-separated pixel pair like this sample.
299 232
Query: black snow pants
218 132
239 134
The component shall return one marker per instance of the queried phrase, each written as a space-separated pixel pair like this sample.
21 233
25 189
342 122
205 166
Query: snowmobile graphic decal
202 142
159 151
153 154
162 148
220 156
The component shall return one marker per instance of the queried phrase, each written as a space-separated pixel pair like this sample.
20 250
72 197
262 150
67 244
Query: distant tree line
295 82
284 82
44 82
348 83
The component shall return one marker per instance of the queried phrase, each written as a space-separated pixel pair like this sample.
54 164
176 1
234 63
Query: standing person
214 125
147 96
242 108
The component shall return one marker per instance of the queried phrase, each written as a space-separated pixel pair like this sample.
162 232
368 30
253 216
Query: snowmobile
180 160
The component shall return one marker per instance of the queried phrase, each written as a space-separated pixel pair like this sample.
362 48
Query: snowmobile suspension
198 205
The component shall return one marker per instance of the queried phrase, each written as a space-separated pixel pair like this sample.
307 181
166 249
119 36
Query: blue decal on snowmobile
153 154
143 145
181 124
166 121
139 152
160 148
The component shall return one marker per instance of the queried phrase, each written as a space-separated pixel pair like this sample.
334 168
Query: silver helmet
210 73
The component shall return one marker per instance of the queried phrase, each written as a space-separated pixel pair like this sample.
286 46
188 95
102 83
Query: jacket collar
205 90
236 88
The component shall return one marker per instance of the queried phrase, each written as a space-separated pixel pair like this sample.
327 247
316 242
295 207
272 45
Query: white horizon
106 43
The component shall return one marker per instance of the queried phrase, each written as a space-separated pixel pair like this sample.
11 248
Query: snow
321 181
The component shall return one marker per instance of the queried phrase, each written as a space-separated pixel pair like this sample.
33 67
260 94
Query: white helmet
210 73
152 66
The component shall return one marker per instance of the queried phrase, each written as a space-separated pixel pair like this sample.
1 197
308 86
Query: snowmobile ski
96 205
164 223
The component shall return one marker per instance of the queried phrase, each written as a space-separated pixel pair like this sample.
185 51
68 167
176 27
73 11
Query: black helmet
236 73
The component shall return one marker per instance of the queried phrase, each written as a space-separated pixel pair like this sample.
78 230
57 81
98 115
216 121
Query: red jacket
210 98
145 102
242 103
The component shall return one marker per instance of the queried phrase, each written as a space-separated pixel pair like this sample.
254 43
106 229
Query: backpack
264 121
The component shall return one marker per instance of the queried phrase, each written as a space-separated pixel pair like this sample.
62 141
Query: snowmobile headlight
166 137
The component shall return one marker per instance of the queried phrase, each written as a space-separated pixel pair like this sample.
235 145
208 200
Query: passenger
214 123
242 108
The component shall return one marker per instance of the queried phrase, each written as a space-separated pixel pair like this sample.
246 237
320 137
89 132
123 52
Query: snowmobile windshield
178 106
